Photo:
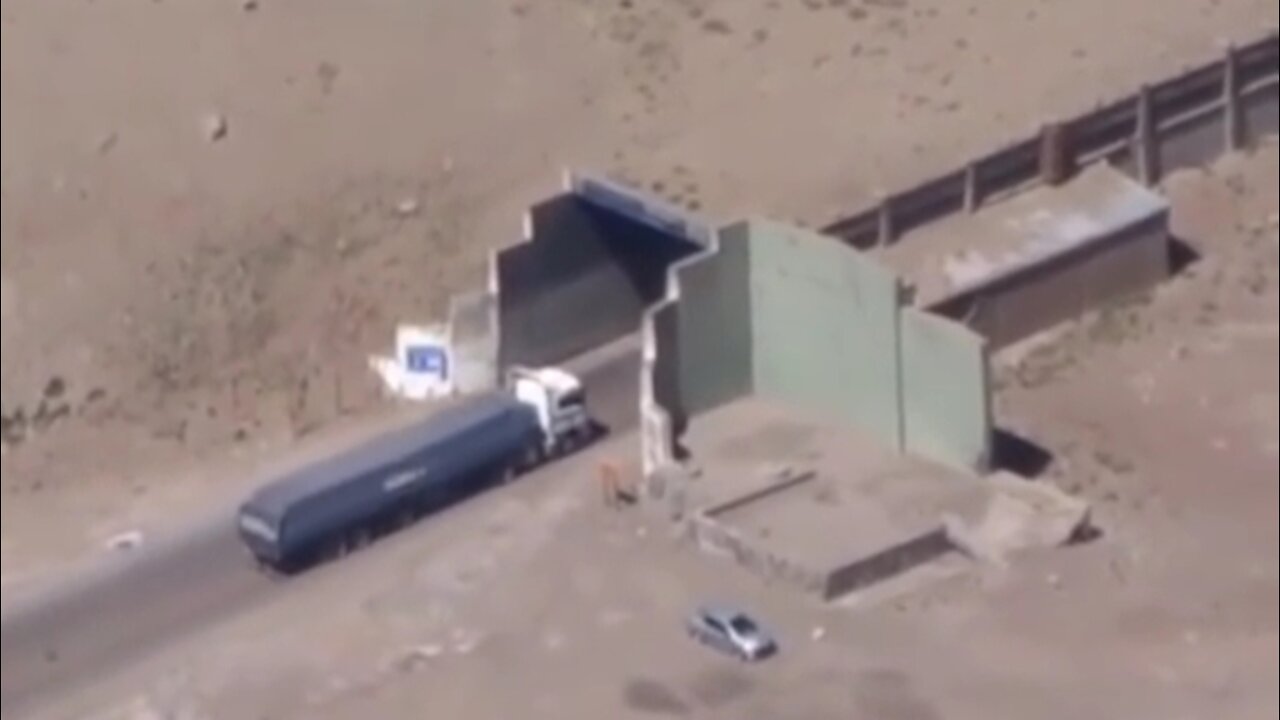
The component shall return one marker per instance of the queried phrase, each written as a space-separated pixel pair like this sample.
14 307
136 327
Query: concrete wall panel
1029 299
1259 113
825 324
1191 141
946 392
714 331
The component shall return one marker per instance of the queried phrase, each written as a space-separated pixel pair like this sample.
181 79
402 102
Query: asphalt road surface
82 633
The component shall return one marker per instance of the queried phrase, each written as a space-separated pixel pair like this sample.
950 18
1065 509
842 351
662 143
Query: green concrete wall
714 333
946 396
825 329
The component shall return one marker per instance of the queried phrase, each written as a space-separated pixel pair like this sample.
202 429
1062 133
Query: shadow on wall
590 266
804 321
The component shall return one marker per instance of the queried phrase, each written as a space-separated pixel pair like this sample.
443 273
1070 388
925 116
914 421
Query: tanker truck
333 507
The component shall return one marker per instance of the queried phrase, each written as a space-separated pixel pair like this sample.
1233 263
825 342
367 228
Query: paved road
105 624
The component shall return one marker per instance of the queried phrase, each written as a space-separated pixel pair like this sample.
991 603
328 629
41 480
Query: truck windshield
572 399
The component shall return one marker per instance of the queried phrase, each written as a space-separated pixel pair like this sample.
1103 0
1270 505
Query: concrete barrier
1260 112
697 347
1122 249
946 420
824 329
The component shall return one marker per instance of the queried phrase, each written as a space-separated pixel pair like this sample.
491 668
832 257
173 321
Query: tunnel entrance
595 258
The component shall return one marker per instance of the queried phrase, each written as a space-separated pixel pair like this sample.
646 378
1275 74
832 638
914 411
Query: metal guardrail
1130 132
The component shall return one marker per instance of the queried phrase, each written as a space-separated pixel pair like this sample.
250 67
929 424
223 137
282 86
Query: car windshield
743 626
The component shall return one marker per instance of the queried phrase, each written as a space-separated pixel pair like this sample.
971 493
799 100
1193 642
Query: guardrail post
972 193
1144 140
1057 163
885 219
1231 100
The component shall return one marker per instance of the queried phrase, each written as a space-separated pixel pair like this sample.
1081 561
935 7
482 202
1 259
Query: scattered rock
464 641
408 207
55 388
327 73
107 143
248 5
125 541
215 127
414 658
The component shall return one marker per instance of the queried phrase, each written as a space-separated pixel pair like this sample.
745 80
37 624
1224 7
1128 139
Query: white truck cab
560 402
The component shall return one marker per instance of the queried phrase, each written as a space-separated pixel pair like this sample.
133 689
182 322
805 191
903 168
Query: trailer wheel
533 456
341 548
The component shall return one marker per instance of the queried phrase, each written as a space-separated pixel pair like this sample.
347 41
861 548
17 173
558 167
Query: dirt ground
213 214
535 602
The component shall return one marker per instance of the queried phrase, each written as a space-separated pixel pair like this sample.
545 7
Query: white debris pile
1020 515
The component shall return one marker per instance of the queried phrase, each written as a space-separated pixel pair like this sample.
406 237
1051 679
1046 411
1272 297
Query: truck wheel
341 549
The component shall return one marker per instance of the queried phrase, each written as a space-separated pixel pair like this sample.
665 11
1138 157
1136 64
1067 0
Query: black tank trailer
334 506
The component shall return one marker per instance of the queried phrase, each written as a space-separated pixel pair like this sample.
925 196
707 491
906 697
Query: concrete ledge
788 481
1025 265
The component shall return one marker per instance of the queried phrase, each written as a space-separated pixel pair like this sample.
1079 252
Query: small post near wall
1144 140
1057 162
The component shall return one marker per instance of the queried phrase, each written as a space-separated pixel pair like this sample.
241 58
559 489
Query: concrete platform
944 258
821 507
1023 265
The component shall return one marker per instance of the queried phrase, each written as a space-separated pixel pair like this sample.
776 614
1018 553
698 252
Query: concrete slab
812 503
943 259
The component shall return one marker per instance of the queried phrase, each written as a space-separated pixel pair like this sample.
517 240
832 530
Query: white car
732 632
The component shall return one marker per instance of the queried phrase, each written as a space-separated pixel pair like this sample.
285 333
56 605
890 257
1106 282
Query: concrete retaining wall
825 329
865 572
1260 113
714 325
946 394
827 584
802 321
717 538
1226 103
1046 290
